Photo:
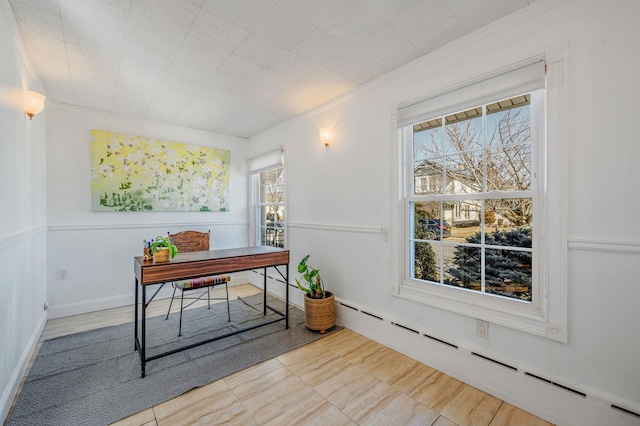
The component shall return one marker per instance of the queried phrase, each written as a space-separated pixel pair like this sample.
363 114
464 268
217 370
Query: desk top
203 263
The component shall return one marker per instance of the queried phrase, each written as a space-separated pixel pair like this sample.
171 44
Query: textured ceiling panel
237 67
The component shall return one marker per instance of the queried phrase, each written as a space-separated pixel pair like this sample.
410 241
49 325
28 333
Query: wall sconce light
33 103
325 136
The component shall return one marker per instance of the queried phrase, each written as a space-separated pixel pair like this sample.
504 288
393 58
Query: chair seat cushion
202 282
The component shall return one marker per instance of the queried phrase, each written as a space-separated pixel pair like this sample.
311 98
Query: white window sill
508 313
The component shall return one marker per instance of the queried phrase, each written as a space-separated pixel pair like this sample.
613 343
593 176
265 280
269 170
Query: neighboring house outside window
472 222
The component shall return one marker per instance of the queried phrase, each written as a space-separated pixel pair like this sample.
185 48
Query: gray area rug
93 377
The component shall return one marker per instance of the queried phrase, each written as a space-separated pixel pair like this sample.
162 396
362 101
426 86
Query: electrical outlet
62 273
482 328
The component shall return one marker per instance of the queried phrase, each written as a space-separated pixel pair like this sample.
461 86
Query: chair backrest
187 241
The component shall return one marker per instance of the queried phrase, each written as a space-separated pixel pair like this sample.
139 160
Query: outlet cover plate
482 328
62 273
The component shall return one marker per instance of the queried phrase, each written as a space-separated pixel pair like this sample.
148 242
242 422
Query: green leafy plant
161 242
315 287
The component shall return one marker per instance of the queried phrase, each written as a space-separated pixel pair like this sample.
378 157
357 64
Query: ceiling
236 67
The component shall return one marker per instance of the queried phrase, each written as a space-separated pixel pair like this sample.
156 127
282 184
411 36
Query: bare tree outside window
453 157
485 151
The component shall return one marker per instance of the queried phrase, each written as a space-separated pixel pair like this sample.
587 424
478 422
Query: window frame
259 205
548 316
268 162
537 128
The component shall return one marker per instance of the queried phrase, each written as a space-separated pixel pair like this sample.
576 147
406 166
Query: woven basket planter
161 255
320 314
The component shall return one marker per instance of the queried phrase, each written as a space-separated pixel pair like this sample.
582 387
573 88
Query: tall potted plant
319 305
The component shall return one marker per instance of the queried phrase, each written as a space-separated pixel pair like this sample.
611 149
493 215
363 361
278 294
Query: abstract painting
135 173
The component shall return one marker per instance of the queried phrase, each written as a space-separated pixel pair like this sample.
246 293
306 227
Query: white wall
22 213
339 202
97 248
338 197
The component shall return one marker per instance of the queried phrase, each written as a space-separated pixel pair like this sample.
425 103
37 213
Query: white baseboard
119 300
276 286
552 398
93 305
11 389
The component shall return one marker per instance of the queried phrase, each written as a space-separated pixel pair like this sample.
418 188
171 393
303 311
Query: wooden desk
202 264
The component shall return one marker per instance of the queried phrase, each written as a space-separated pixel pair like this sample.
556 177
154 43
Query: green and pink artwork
134 173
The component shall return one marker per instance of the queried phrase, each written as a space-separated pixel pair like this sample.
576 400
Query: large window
471 214
268 182
480 173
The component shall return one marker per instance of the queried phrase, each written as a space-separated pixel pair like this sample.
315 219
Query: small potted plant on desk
162 249
319 305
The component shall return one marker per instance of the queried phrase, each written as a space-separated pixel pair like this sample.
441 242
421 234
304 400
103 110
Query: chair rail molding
27 233
94 227
338 228
605 245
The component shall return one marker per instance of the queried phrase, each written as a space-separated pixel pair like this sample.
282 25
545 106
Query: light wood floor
342 379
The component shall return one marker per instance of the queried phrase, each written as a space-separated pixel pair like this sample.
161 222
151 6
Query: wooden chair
190 241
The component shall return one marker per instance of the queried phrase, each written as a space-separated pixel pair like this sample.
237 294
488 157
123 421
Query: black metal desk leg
264 293
135 320
143 354
286 309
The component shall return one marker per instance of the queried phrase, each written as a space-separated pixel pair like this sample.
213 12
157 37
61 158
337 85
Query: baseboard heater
567 388
624 410
349 306
440 341
486 358
372 315
494 361
405 328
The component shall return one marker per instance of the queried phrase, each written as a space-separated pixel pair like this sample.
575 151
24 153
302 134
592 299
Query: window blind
502 84
268 161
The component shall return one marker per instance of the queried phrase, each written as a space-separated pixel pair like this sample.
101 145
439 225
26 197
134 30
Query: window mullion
473 153
485 185
476 196
443 158
269 212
